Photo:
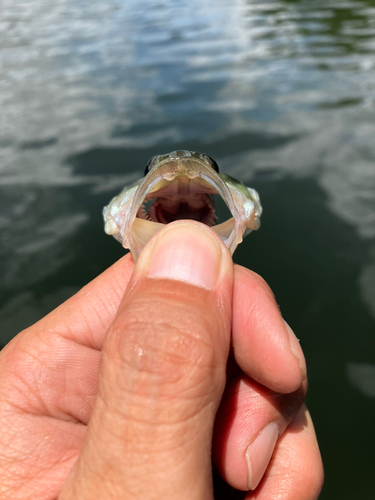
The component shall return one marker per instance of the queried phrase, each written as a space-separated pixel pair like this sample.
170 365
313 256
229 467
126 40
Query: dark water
280 93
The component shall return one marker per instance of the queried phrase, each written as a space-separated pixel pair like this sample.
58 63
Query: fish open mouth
179 199
181 188
177 186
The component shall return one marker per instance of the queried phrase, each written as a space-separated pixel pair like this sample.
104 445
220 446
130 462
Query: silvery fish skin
180 185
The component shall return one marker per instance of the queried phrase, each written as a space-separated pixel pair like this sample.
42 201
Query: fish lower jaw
143 230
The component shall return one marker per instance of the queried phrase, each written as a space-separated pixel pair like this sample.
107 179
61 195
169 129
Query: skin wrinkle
36 453
181 395
255 316
281 478
18 480
30 384
132 320
73 329
261 398
185 417
258 284
258 290
39 452
108 301
19 409
141 412
139 459
85 311
173 301
25 353
12 450
31 488
44 368
181 350
169 441
72 416
38 406
171 376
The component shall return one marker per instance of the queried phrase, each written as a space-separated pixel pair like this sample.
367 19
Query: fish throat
175 206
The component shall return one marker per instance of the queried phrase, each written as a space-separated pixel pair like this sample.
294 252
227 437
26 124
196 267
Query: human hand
117 395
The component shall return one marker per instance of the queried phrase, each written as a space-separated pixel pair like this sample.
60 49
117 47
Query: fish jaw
180 188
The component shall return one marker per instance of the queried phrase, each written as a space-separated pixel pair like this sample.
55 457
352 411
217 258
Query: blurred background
280 93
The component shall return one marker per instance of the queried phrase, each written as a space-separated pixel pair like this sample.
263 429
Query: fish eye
151 162
213 163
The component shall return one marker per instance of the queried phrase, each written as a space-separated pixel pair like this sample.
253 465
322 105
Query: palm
48 386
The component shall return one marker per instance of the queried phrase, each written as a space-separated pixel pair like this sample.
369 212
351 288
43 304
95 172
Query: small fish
181 185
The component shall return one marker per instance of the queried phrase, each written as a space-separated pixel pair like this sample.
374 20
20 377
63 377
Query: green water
281 94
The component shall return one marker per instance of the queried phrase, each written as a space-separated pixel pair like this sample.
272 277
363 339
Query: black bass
180 185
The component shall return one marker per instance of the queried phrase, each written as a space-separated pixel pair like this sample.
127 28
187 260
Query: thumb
162 374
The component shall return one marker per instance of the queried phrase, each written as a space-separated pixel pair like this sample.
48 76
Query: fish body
181 185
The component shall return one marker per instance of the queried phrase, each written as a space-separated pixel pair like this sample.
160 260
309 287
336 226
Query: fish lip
120 215
171 168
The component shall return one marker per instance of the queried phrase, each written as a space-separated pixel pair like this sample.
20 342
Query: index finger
264 346
85 317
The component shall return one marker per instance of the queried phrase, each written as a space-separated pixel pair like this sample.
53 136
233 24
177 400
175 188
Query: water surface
280 93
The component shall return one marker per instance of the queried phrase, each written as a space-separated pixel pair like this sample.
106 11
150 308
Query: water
280 93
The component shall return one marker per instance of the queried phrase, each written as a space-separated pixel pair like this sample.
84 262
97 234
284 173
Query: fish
181 185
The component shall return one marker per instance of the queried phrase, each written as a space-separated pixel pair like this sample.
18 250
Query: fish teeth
242 202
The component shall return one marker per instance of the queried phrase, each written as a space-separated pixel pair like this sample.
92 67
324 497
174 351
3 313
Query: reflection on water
280 93
362 377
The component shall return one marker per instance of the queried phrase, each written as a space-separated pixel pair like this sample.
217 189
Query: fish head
181 185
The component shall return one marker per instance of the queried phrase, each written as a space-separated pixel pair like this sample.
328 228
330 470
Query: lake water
280 93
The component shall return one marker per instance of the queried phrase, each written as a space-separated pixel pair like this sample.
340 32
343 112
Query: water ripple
89 91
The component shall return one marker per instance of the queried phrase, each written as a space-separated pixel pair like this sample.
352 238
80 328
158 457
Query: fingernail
259 454
188 253
296 349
